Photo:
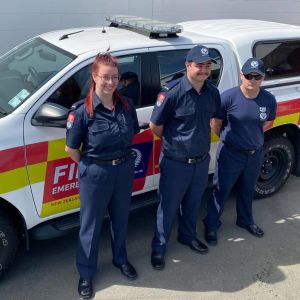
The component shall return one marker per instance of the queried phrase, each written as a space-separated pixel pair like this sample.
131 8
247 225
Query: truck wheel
8 242
278 162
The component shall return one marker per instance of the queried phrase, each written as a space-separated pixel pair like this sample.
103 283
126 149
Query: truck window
76 87
172 65
26 68
282 59
130 77
73 89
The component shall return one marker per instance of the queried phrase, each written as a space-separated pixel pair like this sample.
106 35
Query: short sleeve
162 109
216 114
224 104
75 129
272 114
136 127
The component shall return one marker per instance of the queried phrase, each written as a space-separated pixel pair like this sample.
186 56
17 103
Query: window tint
73 89
130 77
76 87
172 65
282 59
25 69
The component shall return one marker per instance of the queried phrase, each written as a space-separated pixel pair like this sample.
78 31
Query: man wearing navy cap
245 112
181 116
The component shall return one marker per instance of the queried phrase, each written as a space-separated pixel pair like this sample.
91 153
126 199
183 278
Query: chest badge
263 115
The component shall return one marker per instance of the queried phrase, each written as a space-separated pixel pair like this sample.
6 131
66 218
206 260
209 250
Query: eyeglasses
107 78
251 76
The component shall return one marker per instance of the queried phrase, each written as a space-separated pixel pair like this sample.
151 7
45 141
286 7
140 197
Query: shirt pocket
99 127
185 112
99 134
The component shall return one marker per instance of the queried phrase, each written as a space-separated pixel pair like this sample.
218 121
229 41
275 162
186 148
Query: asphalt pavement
241 266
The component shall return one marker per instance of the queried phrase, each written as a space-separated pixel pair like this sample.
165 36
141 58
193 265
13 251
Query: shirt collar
96 100
187 85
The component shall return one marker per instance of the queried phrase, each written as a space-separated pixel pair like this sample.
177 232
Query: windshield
25 69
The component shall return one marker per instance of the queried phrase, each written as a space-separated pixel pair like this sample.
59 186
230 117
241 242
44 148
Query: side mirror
51 115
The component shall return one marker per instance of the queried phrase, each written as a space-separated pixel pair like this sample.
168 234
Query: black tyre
8 242
278 162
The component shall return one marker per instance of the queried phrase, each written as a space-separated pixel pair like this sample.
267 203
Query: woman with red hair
99 138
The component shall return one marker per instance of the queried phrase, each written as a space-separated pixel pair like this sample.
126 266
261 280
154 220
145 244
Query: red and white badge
70 120
160 99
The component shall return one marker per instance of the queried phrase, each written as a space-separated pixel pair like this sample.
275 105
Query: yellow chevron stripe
37 172
13 180
287 119
213 137
56 149
61 205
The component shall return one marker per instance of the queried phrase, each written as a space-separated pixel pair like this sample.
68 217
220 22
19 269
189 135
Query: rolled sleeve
273 110
161 110
217 114
75 131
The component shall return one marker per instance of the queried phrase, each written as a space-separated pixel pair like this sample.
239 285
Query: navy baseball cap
199 54
253 65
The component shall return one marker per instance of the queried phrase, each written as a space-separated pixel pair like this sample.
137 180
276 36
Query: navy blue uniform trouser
181 187
103 188
233 166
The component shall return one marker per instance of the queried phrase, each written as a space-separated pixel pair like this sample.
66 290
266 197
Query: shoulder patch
70 120
160 99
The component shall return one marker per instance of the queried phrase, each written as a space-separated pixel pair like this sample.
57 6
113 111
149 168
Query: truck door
53 176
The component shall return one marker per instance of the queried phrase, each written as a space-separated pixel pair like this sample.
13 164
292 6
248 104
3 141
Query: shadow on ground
48 270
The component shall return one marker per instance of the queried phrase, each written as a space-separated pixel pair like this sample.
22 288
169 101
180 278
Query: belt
248 152
111 162
191 160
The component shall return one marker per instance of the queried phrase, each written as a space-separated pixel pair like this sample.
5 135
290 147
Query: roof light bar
152 26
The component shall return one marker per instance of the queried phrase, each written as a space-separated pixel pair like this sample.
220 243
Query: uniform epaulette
77 104
170 85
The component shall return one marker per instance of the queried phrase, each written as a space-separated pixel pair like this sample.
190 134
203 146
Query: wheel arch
17 219
292 132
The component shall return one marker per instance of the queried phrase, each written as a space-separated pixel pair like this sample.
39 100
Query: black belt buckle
191 160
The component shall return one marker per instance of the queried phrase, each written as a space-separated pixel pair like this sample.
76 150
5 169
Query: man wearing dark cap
131 86
245 112
181 116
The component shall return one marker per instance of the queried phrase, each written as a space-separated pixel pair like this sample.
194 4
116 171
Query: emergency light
157 29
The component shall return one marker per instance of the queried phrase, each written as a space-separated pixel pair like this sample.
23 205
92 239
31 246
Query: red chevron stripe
12 158
37 153
288 107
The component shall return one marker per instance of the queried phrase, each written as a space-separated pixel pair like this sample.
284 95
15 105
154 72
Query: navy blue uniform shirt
186 116
107 135
243 118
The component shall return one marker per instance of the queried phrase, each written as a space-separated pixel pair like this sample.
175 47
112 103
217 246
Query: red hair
108 60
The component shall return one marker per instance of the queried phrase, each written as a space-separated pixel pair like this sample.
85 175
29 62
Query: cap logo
204 51
254 64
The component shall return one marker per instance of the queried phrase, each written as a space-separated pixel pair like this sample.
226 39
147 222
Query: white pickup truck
41 78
